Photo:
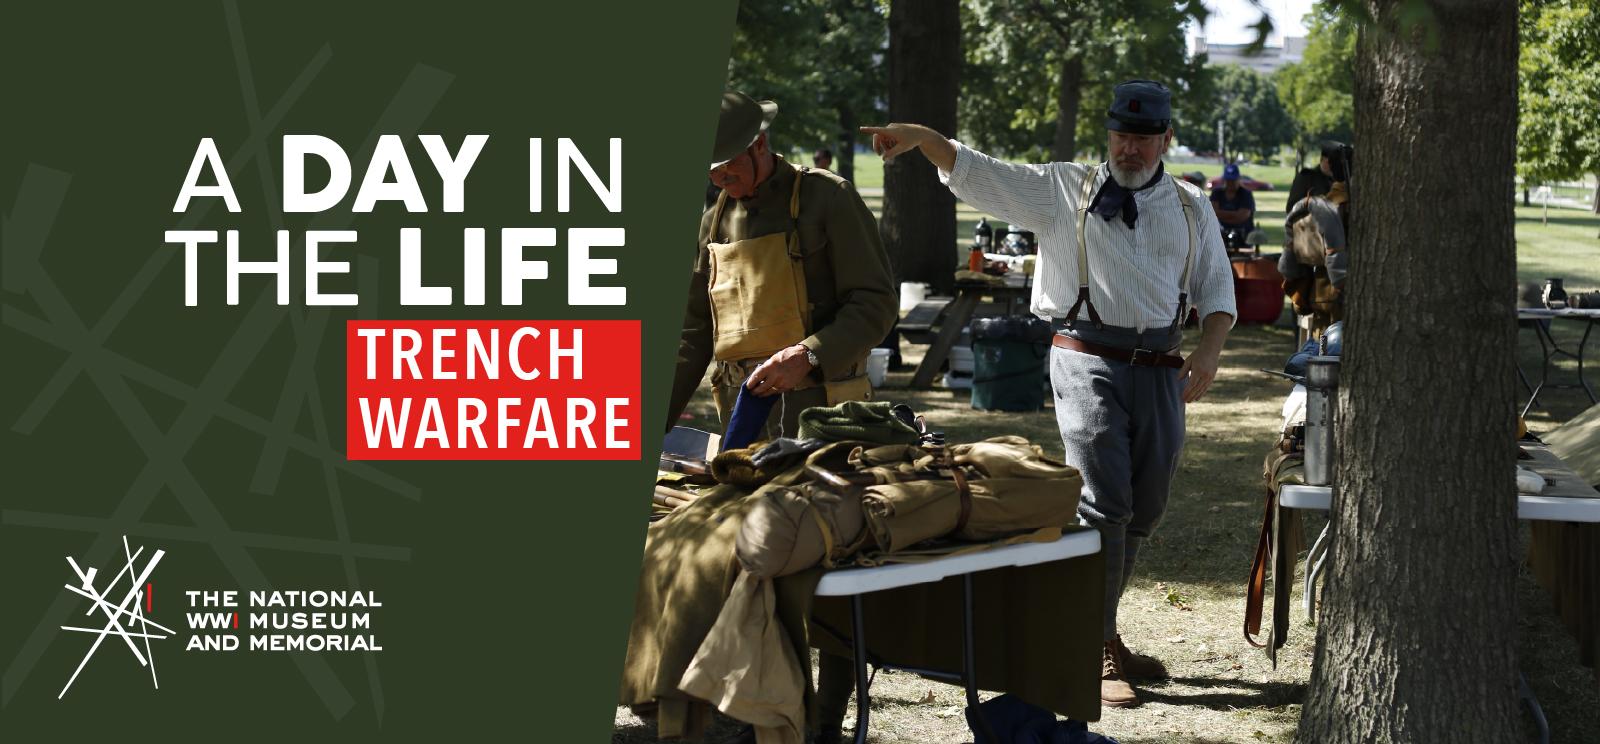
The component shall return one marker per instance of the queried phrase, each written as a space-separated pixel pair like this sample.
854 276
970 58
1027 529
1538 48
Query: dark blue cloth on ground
749 417
1016 721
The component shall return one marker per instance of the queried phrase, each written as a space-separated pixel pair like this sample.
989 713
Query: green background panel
216 433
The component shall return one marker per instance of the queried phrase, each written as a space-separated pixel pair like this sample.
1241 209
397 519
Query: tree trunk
845 158
919 213
1527 198
1069 92
1596 207
1419 620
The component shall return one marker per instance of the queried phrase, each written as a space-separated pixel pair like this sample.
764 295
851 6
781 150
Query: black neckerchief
1113 197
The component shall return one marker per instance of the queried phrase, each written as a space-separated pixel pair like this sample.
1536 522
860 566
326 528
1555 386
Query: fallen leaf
1176 639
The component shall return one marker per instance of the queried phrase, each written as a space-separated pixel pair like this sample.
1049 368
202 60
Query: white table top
1587 313
1569 499
849 581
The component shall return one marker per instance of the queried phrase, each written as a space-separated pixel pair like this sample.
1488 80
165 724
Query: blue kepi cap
1140 107
1230 172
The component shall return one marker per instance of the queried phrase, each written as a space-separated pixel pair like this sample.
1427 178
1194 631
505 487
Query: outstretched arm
1024 195
891 140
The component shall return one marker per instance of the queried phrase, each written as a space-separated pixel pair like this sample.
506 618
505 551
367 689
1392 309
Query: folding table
855 582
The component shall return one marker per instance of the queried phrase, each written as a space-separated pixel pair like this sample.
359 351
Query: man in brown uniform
791 287
791 290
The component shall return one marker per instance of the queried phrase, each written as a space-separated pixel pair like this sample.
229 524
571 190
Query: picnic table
951 316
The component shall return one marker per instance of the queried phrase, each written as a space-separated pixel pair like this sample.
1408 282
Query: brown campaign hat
743 119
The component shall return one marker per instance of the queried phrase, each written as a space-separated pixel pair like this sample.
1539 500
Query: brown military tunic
849 286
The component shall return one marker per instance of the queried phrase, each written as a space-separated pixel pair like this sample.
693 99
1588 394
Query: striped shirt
1135 273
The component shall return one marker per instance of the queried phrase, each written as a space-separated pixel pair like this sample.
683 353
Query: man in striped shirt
1125 251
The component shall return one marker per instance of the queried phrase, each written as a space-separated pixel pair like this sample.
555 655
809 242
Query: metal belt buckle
1144 357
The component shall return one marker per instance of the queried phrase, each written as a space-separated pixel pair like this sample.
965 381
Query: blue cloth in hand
750 413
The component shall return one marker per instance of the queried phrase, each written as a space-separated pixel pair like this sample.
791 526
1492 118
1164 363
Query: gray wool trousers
1122 427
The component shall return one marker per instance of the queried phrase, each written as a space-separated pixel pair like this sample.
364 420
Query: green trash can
1009 355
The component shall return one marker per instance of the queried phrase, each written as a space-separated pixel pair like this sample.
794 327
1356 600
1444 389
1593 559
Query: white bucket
877 366
912 293
961 360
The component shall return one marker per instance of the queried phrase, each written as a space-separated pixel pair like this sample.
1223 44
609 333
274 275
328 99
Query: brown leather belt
1135 357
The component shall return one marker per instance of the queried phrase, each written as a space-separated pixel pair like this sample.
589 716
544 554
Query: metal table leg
1550 351
858 643
968 676
1587 328
969 664
1314 562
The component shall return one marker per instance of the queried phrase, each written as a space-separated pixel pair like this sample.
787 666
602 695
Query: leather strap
966 498
1256 590
1135 357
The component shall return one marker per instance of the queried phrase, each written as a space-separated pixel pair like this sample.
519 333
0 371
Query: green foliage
1254 121
1017 50
817 59
1316 91
1558 133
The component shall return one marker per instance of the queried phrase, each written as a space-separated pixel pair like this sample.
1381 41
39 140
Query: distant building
1268 61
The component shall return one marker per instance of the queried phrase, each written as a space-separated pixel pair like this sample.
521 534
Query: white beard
1133 179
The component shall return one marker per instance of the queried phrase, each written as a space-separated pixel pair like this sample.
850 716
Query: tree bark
845 158
1069 93
1419 619
919 213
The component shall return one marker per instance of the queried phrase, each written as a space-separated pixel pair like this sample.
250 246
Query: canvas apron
759 305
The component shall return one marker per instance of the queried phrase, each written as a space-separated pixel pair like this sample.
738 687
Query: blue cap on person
1230 172
1140 107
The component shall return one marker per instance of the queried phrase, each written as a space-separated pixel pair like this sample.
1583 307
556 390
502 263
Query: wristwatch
811 356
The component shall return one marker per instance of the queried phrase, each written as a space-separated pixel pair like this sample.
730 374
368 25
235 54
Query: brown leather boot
1115 692
1137 666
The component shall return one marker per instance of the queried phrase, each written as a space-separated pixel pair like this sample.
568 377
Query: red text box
492 390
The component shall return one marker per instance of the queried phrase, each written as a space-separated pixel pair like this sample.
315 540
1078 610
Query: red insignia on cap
1133 106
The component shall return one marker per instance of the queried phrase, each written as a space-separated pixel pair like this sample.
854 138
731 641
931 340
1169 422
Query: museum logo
123 606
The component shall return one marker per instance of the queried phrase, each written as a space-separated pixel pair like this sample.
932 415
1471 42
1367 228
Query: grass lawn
1186 602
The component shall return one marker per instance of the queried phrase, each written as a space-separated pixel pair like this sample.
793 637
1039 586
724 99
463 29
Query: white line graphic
138 626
